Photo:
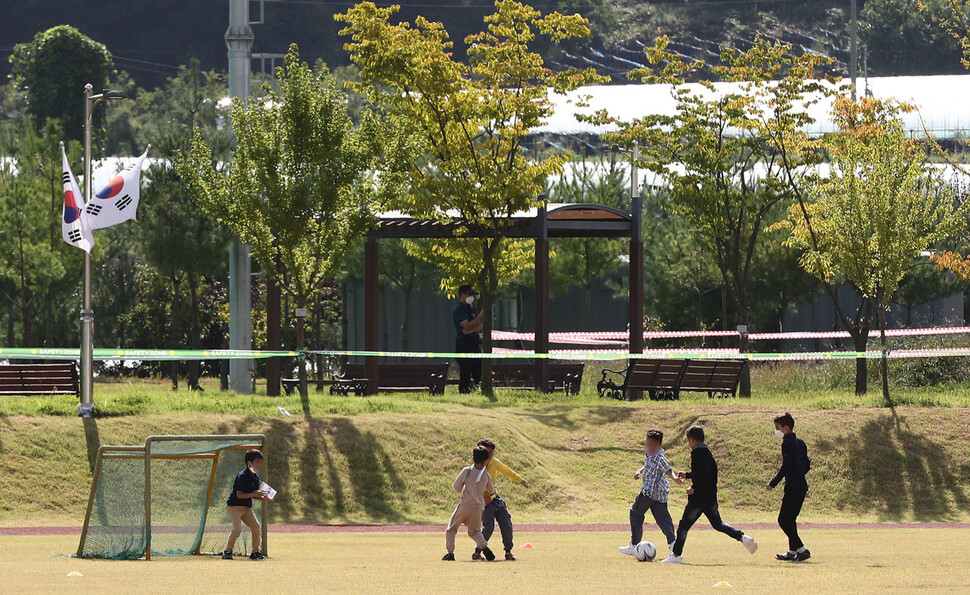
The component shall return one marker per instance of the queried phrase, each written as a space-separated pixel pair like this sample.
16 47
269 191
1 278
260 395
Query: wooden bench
564 376
716 377
39 379
390 377
659 377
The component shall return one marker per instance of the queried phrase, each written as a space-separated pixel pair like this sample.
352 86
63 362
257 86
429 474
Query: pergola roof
561 220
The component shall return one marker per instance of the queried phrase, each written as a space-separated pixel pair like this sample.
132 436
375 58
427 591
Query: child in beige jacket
472 483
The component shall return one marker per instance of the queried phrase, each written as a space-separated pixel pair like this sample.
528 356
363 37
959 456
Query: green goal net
167 498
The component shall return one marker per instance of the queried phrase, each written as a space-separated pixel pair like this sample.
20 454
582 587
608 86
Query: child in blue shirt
240 503
654 493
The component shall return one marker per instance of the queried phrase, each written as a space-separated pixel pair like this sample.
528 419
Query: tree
900 40
39 267
469 120
174 235
303 182
877 210
726 154
954 18
53 68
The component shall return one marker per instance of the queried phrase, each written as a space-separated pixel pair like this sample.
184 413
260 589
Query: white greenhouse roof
941 101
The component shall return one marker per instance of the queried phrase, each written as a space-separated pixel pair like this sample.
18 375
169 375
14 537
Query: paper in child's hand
266 489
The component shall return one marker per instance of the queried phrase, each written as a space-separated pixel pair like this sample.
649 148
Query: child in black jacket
702 497
794 465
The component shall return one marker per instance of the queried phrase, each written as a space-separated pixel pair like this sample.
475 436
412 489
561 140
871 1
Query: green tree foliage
303 183
728 155
174 236
37 267
901 37
469 120
877 210
53 68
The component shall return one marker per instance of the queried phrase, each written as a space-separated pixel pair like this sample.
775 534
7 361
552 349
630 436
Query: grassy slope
392 459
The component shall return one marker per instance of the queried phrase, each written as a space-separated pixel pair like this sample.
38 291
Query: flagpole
86 407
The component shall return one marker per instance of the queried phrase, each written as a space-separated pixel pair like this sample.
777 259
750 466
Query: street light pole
86 407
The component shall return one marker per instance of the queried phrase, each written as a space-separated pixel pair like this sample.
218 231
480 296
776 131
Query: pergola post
371 312
636 264
542 299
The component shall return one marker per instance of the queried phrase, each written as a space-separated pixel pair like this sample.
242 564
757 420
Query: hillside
397 467
150 40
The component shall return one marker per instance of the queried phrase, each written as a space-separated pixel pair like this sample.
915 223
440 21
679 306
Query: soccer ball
645 551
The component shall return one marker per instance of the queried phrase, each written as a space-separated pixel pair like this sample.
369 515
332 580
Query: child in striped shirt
654 493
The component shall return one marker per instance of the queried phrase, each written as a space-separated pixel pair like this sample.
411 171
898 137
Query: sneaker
448 558
510 557
802 556
672 559
477 555
488 554
749 543
257 555
627 549
227 555
786 557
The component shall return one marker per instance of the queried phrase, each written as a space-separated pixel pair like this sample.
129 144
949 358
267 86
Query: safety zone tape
499 353
55 353
621 337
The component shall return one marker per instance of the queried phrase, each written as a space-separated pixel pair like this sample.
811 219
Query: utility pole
853 46
239 41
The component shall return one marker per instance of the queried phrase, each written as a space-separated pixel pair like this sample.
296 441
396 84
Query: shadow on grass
899 471
92 439
376 485
565 418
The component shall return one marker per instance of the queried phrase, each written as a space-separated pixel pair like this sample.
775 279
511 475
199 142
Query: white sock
791 552
802 550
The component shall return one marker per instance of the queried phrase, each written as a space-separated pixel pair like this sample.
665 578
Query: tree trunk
744 314
489 284
176 314
300 345
724 313
861 363
195 340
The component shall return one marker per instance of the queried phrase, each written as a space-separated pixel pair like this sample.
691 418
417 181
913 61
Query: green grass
844 561
396 466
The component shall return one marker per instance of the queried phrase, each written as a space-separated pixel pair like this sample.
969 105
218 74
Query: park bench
39 379
660 378
564 376
716 377
390 378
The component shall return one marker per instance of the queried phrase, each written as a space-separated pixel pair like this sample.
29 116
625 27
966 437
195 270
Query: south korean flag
73 219
118 201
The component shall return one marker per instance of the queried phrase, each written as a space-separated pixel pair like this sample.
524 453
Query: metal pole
853 46
636 263
86 407
239 42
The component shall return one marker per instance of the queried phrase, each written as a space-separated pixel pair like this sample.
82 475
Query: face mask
470 300
779 433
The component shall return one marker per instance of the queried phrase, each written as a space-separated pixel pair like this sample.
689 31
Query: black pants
469 369
692 512
498 511
638 512
791 505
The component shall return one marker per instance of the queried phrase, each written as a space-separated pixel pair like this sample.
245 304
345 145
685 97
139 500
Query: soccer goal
166 498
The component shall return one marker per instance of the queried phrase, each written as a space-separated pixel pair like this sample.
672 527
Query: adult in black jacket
702 497
794 465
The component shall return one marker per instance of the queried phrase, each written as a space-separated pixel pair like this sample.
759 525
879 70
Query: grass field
844 561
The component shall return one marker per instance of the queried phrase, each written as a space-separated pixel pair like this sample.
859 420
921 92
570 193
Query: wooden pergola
552 220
